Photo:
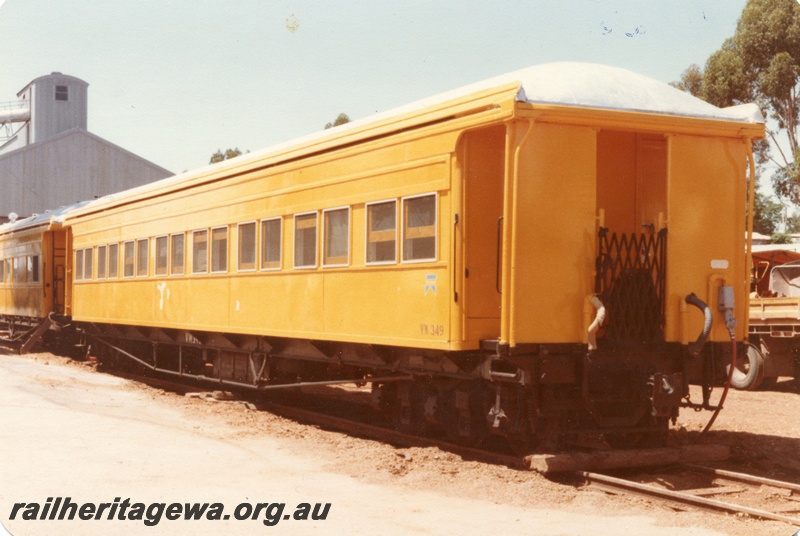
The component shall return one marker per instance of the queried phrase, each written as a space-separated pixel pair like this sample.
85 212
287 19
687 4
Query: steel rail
687 498
388 435
353 427
745 477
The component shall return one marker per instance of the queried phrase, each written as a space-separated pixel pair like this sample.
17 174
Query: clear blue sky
175 80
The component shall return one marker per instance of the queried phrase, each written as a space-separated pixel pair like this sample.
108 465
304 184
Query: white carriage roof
584 85
604 86
590 85
45 218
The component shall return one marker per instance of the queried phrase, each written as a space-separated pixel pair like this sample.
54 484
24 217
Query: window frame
36 269
104 255
156 256
212 250
240 250
367 242
172 264
435 226
208 253
325 241
115 264
88 264
77 268
274 265
138 263
81 268
314 213
125 244
61 93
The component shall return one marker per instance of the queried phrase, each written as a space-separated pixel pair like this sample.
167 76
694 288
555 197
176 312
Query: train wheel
649 432
748 375
403 404
468 405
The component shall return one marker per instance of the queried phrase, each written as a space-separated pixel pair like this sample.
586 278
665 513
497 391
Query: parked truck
774 333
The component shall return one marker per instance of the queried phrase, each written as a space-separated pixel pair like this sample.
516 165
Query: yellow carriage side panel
554 230
705 172
22 290
407 307
277 304
347 300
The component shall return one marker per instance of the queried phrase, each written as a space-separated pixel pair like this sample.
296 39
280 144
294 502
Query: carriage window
305 240
142 252
199 252
419 228
101 262
87 264
127 259
33 268
337 237
382 232
113 260
19 270
78 265
271 244
219 250
161 255
247 247
177 249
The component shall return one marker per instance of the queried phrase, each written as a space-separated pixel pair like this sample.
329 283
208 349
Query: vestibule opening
631 180
632 211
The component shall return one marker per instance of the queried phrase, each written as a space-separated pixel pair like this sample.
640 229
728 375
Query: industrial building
49 159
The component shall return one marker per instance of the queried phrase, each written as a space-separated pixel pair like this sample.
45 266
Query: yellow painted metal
554 241
706 246
750 218
481 153
22 288
552 173
403 304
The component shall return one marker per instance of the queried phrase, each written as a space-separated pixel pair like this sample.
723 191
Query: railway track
685 486
327 413
680 486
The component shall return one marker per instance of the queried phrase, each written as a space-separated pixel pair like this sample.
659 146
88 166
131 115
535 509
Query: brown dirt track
761 428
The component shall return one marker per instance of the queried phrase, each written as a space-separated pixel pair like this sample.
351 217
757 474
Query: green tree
341 119
793 223
780 238
691 81
761 63
768 215
219 156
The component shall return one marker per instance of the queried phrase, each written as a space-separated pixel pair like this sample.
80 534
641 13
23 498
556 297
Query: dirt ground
762 430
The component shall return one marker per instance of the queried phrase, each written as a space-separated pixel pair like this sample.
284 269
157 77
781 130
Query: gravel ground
67 430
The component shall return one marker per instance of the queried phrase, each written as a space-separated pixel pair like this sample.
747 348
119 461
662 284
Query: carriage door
55 269
483 152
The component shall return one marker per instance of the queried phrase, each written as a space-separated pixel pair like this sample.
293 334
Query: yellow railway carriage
33 260
551 254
